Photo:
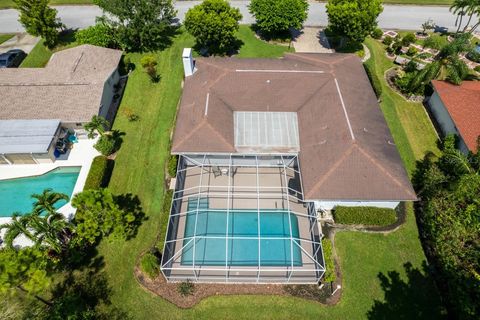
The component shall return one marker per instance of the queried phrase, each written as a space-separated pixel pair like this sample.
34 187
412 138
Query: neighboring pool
15 194
241 252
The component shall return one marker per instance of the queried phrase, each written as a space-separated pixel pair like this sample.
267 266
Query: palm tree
447 65
459 8
19 225
97 124
45 201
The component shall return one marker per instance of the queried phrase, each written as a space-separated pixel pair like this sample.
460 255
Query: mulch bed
169 291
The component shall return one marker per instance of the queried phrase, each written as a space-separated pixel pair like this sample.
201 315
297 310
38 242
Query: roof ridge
383 170
332 169
312 96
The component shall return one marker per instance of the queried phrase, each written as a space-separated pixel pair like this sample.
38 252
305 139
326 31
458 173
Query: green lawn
408 121
139 169
4 37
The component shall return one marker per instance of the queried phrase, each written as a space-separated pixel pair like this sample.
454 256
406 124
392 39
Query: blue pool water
241 252
15 193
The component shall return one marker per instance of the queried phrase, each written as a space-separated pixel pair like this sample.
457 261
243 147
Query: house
75 85
264 145
456 110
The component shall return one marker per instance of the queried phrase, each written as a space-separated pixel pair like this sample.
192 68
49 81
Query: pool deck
242 194
81 155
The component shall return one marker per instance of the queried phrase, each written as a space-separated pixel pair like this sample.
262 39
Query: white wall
444 120
329 205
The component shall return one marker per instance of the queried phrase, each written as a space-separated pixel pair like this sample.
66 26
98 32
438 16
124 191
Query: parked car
12 58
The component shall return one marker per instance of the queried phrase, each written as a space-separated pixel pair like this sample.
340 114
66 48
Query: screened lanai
241 218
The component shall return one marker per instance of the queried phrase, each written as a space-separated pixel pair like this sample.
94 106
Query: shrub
474 56
377 33
99 174
214 24
477 68
186 288
172 165
435 42
376 84
97 35
149 64
278 16
149 265
364 215
387 40
131 116
411 66
106 145
408 39
330 274
412 51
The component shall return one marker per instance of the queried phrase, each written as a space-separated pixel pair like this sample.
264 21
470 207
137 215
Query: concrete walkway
311 39
21 41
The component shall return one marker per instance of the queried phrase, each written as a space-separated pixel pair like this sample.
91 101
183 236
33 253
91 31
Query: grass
5 37
409 123
140 167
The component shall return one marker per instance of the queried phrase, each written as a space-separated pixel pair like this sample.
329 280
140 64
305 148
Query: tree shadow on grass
131 203
415 298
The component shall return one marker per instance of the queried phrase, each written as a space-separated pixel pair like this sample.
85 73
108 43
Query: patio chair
216 171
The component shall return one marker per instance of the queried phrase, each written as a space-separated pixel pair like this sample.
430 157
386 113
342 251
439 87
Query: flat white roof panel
266 131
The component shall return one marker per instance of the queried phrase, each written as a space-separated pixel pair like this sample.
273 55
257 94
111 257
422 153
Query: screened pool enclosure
241 218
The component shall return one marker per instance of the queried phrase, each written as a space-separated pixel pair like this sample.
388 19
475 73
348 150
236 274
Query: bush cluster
408 39
377 33
106 145
376 84
364 215
186 288
98 35
100 173
172 165
329 275
149 265
387 40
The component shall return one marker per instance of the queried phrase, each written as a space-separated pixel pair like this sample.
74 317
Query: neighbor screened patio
241 218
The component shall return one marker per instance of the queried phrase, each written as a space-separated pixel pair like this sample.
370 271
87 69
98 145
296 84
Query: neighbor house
39 104
264 145
456 110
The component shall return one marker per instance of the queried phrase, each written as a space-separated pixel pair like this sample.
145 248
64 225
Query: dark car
12 58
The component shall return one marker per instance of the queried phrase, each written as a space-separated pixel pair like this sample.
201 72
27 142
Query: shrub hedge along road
370 216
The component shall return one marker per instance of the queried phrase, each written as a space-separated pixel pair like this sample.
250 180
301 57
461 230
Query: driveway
311 39
22 41
393 16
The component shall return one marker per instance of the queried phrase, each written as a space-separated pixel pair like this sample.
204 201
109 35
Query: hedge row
100 173
371 216
372 76
329 275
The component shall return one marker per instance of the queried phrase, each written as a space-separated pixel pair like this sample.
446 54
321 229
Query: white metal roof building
27 141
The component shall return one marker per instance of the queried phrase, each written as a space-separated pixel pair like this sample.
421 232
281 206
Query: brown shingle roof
69 88
463 105
361 163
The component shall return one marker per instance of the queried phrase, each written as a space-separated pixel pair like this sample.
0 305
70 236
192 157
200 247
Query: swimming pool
241 223
15 194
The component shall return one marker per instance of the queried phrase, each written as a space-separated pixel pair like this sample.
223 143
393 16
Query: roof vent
188 63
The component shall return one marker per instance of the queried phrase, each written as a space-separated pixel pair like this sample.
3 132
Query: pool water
241 252
15 194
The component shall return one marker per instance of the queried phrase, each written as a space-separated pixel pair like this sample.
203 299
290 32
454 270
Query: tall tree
469 8
275 17
214 23
449 223
45 202
353 19
39 20
139 25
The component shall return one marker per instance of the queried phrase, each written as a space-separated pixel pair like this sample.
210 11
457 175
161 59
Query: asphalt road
393 16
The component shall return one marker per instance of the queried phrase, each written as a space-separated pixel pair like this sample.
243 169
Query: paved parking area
22 41
311 39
